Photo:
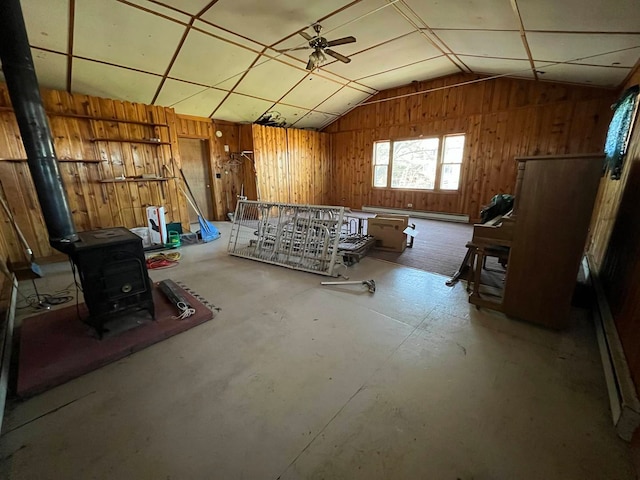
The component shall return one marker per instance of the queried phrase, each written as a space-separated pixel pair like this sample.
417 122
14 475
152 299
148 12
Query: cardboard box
388 230
157 225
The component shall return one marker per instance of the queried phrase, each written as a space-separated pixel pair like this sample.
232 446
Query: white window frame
439 164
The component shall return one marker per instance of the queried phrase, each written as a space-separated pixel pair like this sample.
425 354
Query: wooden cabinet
554 202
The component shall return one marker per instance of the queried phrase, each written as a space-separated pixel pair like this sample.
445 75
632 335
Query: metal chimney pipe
20 75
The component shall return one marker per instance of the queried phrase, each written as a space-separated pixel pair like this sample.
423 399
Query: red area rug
57 346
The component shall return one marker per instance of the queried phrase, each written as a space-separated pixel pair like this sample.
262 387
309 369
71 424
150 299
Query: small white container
143 233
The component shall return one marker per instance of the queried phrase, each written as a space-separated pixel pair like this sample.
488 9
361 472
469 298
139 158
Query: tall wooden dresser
554 202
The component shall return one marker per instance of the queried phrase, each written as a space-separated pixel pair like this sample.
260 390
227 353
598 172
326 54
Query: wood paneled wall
80 125
502 118
615 248
293 166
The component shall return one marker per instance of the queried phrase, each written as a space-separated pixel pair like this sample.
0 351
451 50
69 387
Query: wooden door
196 167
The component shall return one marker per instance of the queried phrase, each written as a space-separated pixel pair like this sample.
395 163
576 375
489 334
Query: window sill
417 190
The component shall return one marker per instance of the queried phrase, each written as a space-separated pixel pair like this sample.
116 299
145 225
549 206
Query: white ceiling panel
51 69
270 79
238 108
576 15
231 37
269 21
376 21
343 100
120 34
315 120
494 14
207 60
397 53
169 12
47 23
488 44
190 99
600 76
433 68
564 47
498 66
92 78
191 7
290 114
311 91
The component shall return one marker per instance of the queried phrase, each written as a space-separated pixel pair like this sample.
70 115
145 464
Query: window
419 164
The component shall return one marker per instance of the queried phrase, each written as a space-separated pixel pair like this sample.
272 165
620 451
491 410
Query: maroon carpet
56 346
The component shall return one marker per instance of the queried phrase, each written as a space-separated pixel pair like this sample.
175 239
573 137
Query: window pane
380 176
453 149
381 153
450 178
414 163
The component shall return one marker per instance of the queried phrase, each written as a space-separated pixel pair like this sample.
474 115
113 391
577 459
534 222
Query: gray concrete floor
292 380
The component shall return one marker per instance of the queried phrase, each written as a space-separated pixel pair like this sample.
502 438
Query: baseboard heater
8 312
447 217
625 405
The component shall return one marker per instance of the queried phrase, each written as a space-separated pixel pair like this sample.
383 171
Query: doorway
196 167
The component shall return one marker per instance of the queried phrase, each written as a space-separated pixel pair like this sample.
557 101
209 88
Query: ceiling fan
320 46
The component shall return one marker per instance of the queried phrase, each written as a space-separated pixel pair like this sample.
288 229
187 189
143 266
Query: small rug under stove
56 346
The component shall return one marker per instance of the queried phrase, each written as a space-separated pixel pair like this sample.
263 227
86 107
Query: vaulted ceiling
225 59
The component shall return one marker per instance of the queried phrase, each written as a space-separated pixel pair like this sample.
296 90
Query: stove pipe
20 75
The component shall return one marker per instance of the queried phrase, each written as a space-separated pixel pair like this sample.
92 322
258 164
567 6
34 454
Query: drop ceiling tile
207 60
188 6
371 22
269 21
100 80
426 70
498 66
342 101
315 120
270 79
481 14
564 47
589 75
312 91
189 99
229 36
120 34
397 53
576 15
47 23
486 44
241 109
163 10
51 69
289 114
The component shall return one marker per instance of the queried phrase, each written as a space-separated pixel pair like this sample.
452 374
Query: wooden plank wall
615 250
293 166
84 163
502 118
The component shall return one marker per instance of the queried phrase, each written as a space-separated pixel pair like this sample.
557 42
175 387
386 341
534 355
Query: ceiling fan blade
306 36
341 41
293 49
337 55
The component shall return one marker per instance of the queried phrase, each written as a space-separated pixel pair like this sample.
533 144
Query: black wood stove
113 274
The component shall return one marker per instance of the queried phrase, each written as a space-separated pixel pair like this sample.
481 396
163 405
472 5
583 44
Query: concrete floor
292 380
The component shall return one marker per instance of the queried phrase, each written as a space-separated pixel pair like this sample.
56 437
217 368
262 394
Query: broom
208 231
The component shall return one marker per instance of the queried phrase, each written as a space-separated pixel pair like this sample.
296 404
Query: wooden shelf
128 140
98 119
125 180
70 160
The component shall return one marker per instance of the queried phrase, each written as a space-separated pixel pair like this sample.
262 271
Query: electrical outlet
409 205
226 148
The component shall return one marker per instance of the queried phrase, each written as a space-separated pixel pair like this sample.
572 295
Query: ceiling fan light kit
321 46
